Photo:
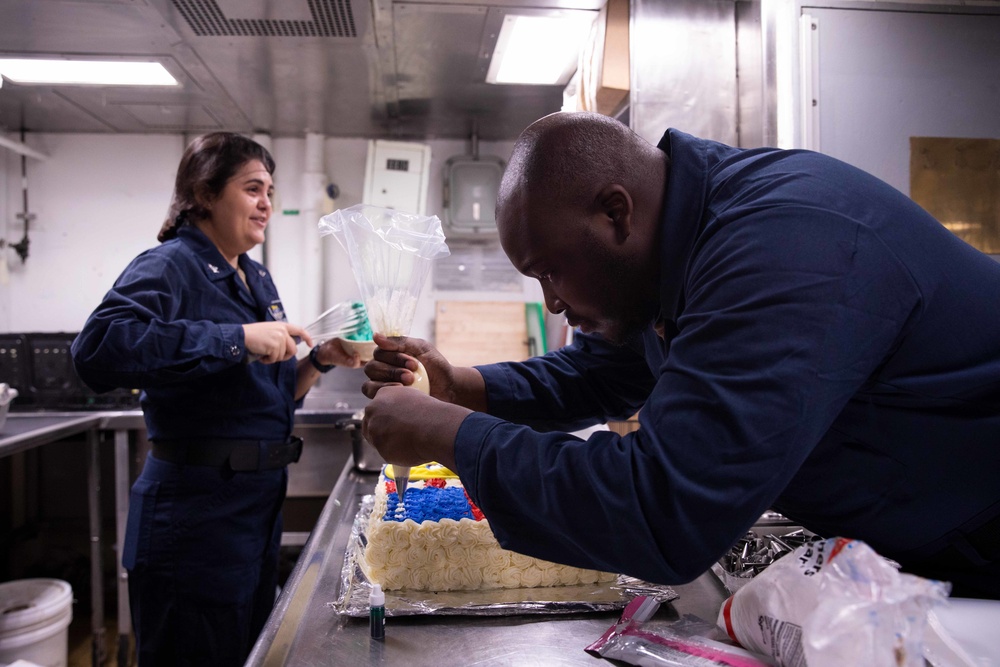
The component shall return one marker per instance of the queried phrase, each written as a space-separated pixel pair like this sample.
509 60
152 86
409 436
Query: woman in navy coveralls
199 327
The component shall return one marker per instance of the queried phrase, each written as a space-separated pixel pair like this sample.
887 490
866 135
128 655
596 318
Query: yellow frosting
425 471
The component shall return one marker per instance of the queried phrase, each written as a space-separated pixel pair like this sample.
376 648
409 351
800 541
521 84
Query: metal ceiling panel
315 80
429 58
349 68
107 30
81 28
46 110
172 117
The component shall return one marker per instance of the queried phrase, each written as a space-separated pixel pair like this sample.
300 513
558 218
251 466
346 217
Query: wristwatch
322 368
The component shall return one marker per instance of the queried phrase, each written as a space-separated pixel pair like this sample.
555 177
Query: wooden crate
481 332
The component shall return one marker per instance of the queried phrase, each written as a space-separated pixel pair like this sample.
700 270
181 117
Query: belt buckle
295 449
266 455
281 454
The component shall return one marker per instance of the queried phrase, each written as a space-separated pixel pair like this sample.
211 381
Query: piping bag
390 253
401 474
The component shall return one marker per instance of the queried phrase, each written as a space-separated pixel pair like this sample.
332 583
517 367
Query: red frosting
476 512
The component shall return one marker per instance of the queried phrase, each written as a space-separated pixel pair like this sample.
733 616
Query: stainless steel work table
305 629
24 431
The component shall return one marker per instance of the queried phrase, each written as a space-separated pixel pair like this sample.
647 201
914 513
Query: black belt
237 455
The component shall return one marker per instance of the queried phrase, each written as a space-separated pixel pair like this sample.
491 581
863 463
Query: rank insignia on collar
261 272
213 268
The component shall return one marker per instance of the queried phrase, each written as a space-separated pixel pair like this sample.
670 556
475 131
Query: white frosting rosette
449 555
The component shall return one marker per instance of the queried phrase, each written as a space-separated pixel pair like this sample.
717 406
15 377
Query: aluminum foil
355 587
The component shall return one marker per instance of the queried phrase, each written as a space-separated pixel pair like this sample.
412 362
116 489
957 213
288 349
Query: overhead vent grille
330 18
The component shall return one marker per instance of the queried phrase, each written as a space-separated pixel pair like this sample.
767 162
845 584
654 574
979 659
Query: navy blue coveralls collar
217 269
679 226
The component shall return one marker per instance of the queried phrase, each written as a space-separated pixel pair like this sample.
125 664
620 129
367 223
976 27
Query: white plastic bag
834 603
7 395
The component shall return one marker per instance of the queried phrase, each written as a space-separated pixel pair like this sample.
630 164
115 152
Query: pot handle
348 424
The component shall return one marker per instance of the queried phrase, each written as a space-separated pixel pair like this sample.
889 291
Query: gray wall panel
885 76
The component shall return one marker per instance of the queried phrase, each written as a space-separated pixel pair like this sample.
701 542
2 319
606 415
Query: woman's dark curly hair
206 166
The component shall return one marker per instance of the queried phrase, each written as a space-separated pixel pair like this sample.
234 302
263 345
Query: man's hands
273 342
406 426
395 362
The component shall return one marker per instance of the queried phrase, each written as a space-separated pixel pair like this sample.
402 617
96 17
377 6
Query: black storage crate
45 377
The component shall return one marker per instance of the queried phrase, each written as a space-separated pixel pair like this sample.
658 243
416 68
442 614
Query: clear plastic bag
636 640
390 253
834 603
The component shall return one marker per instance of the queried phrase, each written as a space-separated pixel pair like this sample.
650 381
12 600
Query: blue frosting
430 504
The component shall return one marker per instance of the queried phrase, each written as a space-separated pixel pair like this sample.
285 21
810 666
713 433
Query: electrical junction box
396 175
471 185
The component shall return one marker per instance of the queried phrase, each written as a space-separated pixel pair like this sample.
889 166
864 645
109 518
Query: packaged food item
831 603
635 641
755 552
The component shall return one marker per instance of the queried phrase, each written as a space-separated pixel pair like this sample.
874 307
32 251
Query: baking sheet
609 596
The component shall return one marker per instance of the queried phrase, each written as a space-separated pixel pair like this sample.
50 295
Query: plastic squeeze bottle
376 612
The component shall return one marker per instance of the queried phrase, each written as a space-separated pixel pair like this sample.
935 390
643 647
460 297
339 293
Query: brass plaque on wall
958 182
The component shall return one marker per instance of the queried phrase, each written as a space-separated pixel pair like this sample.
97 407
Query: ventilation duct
330 18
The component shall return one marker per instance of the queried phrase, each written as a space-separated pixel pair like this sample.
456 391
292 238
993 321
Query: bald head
579 209
568 157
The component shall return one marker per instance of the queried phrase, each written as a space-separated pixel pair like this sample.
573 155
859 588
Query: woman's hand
331 352
273 342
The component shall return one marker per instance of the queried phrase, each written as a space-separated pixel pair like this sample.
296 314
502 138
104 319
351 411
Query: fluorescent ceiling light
94 72
540 50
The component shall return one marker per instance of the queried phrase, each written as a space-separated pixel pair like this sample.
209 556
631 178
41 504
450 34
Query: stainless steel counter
27 430
304 629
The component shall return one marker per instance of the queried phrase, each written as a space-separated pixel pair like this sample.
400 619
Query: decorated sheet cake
438 540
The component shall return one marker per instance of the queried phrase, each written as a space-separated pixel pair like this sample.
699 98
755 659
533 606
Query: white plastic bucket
34 621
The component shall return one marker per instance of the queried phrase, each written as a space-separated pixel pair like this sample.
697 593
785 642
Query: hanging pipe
265 140
311 257
21 247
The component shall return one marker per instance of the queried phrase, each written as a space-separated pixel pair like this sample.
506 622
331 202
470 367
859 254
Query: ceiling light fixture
540 50
85 72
